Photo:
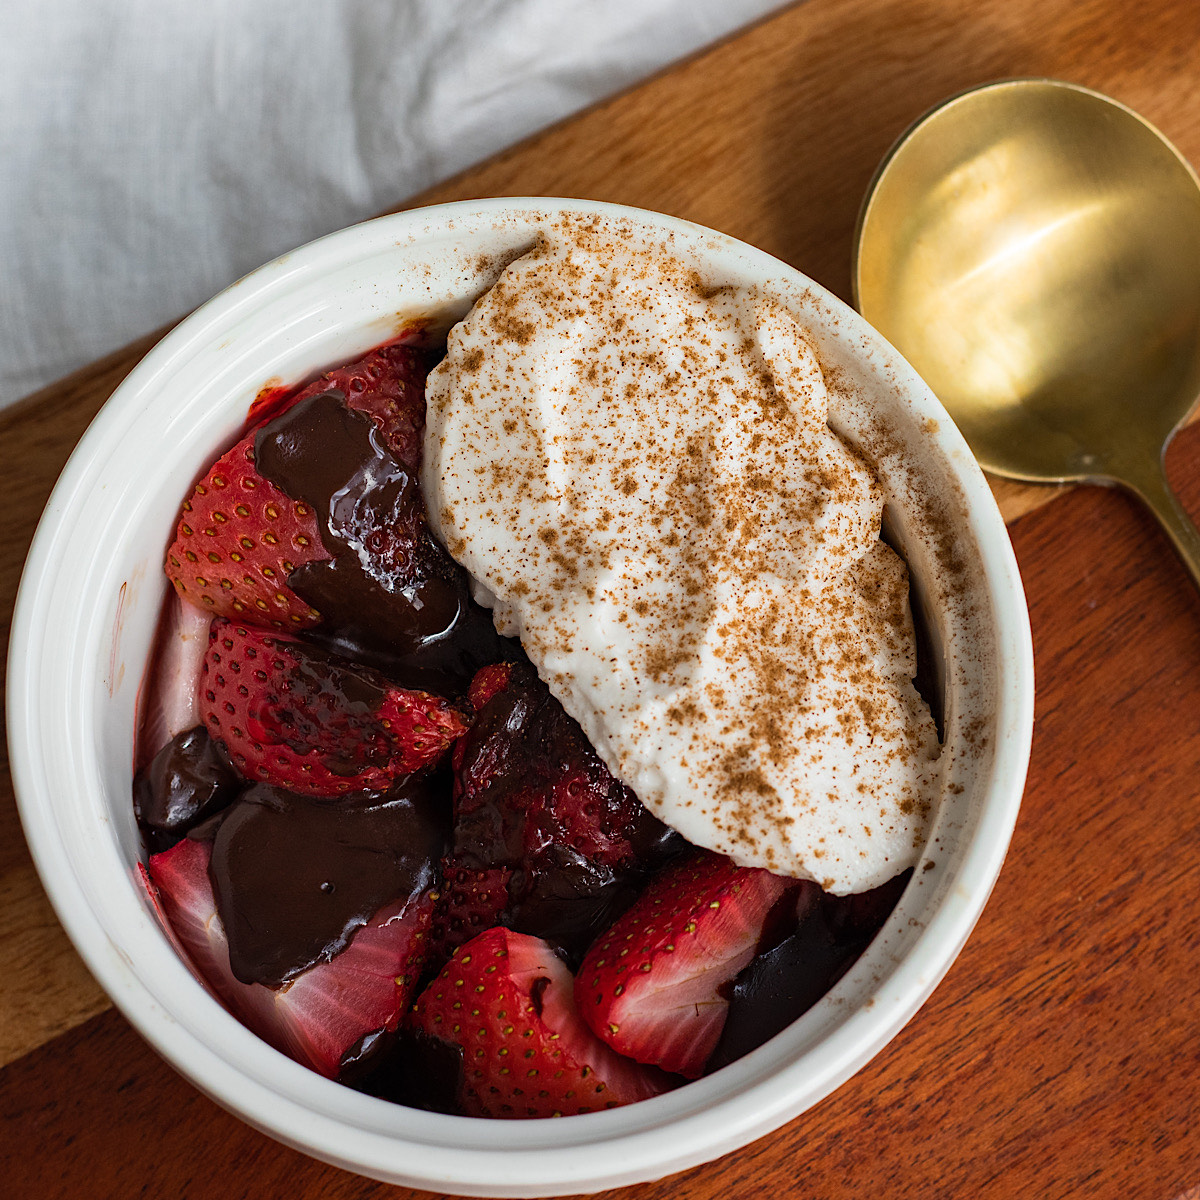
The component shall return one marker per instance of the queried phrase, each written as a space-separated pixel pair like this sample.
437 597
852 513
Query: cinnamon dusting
692 548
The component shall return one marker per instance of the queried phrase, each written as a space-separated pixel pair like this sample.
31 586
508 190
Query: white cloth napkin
152 151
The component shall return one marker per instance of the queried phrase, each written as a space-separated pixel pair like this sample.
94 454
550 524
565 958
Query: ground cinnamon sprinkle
645 483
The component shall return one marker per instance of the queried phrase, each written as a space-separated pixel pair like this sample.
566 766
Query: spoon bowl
1033 249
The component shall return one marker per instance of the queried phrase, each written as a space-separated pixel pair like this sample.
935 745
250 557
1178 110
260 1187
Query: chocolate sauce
568 901
526 774
408 1068
789 977
294 877
186 782
780 985
389 595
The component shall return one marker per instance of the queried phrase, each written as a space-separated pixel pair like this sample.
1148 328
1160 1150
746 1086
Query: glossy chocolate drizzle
185 783
389 595
790 973
521 746
294 877
406 1067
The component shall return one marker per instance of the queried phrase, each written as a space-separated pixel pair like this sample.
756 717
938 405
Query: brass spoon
1033 249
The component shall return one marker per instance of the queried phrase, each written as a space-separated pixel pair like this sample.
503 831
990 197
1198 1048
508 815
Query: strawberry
240 536
322 1016
468 902
387 385
171 686
488 682
527 782
298 717
238 539
531 796
654 986
506 1000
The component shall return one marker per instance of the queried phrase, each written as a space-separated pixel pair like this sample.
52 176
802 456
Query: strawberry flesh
531 796
238 539
506 1000
293 715
326 1013
654 986
488 682
169 695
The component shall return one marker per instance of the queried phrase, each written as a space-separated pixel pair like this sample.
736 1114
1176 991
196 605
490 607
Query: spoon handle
1152 487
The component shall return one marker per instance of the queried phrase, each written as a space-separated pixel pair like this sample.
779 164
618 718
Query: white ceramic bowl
91 595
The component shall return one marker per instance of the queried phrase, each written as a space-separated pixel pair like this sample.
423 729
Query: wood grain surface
1059 1056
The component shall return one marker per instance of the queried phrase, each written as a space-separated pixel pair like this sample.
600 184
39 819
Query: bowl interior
91 598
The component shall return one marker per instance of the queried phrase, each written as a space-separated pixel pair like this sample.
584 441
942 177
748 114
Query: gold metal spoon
1033 249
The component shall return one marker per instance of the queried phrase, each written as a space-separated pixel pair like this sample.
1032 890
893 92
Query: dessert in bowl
74 712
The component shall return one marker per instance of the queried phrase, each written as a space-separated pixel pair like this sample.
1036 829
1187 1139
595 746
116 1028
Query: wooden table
1060 1056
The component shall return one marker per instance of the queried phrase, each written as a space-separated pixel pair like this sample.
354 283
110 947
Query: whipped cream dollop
634 466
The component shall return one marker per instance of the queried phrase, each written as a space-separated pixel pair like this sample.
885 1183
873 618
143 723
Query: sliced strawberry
186 886
533 797
388 385
167 699
506 999
653 986
301 718
238 539
528 782
320 1017
468 903
488 682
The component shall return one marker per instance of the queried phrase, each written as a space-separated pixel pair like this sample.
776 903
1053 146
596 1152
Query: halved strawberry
505 998
653 986
309 721
320 1017
238 539
533 797
240 536
170 690
469 902
387 385
487 682
528 782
